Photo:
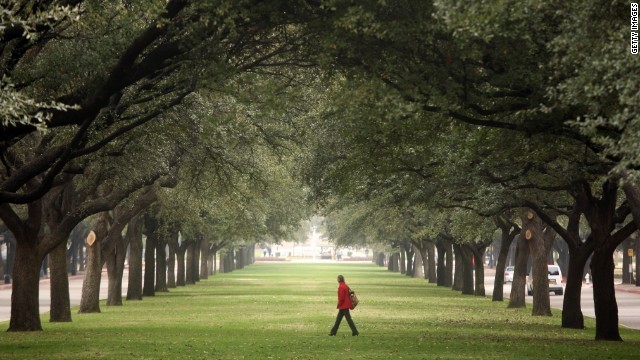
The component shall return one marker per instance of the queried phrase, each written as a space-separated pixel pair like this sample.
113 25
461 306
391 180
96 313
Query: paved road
75 292
627 296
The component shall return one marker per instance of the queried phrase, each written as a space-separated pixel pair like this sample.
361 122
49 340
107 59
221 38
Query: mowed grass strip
285 311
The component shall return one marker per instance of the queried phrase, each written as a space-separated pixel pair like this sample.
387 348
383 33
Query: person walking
344 304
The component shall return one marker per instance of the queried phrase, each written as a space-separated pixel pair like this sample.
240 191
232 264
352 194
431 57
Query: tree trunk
171 264
467 271
191 252
431 262
506 239
90 299
604 295
407 249
148 288
229 264
478 263
572 317
115 271
239 258
25 312
161 267
380 259
214 257
517 297
204 260
60 309
418 264
196 260
448 280
479 275
441 269
181 274
539 246
637 253
458 277
223 264
403 261
251 252
410 270
211 263
134 238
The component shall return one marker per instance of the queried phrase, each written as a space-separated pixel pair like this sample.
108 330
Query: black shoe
332 334
355 334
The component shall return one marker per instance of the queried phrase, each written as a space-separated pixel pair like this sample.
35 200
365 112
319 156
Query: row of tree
154 117
453 117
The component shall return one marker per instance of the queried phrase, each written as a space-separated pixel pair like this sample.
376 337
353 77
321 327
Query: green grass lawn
285 311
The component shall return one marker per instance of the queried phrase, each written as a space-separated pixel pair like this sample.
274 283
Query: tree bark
161 267
406 249
25 312
479 273
506 239
214 260
59 285
637 254
204 260
604 296
90 298
196 259
477 253
181 279
517 297
572 317
539 246
467 270
191 254
380 259
115 272
134 238
148 288
171 265
418 263
239 257
431 262
458 277
441 270
448 280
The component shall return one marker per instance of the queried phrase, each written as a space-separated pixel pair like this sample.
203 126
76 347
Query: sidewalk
75 293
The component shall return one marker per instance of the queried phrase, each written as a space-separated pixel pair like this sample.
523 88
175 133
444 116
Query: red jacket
344 300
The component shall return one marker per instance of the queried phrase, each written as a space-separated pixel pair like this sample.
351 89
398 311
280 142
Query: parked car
508 274
555 281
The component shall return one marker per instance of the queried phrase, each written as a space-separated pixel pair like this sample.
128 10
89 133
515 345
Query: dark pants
344 313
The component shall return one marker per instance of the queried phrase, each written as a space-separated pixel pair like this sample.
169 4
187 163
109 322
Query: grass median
285 311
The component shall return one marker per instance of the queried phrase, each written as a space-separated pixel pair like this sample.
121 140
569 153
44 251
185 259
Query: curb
633 291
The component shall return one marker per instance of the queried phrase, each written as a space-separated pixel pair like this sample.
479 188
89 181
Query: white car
508 274
555 281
